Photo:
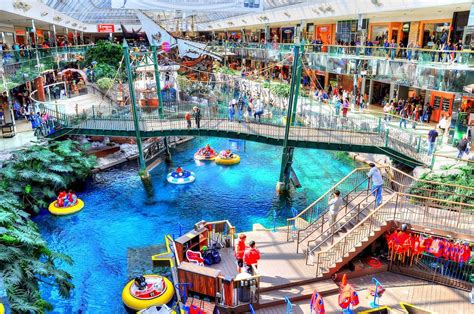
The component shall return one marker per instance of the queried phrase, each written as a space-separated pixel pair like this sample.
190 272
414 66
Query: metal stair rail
351 201
356 180
394 180
341 225
407 208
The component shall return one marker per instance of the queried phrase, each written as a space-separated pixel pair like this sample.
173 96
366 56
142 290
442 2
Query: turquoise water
119 214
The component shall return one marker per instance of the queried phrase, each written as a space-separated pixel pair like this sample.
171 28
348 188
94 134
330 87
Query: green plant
105 83
435 184
280 90
104 70
28 182
35 174
104 52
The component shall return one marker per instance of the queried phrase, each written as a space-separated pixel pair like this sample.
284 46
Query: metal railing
412 209
313 218
306 218
436 269
309 126
413 54
350 216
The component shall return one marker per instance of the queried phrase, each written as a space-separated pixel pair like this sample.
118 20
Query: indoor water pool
118 213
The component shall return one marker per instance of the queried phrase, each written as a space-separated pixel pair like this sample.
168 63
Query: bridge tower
133 105
283 183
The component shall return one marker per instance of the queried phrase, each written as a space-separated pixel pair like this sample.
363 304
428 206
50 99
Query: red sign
105 28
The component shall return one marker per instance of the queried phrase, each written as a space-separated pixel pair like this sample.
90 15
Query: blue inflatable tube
181 178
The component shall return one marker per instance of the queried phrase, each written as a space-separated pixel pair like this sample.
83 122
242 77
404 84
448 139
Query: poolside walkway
399 288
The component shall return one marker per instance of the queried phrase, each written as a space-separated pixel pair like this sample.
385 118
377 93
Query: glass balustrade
423 68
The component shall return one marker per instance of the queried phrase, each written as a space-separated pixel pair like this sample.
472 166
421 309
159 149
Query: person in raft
179 171
61 198
227 153
251 257
71 199
207 150
240 251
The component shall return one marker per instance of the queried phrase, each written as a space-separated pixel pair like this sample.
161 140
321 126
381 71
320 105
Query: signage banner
191 5
105 28
156 34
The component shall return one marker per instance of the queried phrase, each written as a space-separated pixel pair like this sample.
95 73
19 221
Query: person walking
432 135
462 146
197 116
429 112
258 109
403 117
251 257
232 104
240 251
334 206
377 183
345 107
249 110
187 117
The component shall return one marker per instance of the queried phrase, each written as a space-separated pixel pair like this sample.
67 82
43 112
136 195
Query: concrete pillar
391 94
362 86
371 91
40 88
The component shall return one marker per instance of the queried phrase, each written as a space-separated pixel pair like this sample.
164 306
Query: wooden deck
279 264
437 298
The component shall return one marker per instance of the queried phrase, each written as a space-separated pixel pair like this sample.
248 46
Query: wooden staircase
328 259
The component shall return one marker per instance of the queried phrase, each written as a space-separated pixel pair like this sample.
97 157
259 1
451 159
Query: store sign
191 5
105 28
20 32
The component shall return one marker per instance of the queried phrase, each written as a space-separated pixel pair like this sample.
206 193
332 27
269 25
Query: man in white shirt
334 206
377 183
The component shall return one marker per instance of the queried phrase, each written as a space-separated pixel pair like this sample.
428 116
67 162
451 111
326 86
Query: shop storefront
347 31
287 34
434 31
325 33
442 104
20 35
398 31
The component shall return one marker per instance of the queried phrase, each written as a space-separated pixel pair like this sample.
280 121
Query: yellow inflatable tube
61 211
228 161
153 295
2 308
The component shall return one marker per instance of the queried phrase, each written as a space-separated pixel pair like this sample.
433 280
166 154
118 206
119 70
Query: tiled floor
24 136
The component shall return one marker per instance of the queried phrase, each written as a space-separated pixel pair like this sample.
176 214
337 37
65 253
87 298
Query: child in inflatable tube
71 199
61 198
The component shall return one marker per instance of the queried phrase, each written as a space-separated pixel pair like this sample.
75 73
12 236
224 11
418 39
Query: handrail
353 230
309 47
336 223
327 192
400 212
431 182
323 213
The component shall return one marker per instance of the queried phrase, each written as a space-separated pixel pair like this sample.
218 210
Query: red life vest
465 253
240 249
317 303
251 256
